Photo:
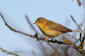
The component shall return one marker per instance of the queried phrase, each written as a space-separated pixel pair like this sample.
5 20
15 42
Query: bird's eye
40 21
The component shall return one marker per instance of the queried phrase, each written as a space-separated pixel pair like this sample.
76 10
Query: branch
66 42
76 24
13 29
29 22
32 26
81 45
34 36
8 52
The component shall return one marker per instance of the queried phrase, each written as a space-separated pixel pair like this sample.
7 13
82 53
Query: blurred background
14 12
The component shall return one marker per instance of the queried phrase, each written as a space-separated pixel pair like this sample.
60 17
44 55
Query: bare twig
13 29
81 45
29 22
79 2
76 24
8 52
32 26
34 36
39 38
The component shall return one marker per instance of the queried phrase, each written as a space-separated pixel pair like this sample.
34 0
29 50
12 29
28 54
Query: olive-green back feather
58 27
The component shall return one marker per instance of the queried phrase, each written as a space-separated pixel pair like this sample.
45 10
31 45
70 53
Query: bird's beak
35 23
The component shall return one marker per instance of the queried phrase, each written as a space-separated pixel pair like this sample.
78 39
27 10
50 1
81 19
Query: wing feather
58 27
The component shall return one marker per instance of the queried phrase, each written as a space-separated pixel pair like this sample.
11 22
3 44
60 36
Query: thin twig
37 37
13 29
34 36
81 45
32 26
29 22
76 24
8 52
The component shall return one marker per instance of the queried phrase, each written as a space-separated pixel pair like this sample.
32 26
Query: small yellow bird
50 28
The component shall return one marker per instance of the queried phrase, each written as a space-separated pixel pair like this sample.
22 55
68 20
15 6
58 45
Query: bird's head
40 21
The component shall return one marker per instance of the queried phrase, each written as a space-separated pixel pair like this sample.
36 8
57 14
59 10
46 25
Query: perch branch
13 29
34 36
66 42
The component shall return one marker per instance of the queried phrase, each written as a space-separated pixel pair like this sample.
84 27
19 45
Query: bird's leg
49 40
46 39
52 40
36 36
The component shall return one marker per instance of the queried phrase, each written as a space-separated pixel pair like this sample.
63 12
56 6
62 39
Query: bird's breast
49 32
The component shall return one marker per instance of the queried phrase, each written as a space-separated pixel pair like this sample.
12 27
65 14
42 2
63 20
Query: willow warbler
50 28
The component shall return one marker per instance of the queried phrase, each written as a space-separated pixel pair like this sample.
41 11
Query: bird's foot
49 40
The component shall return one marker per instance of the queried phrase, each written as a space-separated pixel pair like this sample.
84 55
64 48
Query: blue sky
56 10
15 10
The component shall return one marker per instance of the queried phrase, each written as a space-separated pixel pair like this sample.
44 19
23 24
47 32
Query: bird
50 28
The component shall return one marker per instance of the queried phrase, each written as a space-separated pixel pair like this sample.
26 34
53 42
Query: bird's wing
58 27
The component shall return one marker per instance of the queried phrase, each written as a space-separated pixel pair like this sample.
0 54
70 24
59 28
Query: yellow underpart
49 32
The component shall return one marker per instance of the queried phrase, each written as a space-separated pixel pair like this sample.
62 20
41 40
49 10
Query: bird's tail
75 31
